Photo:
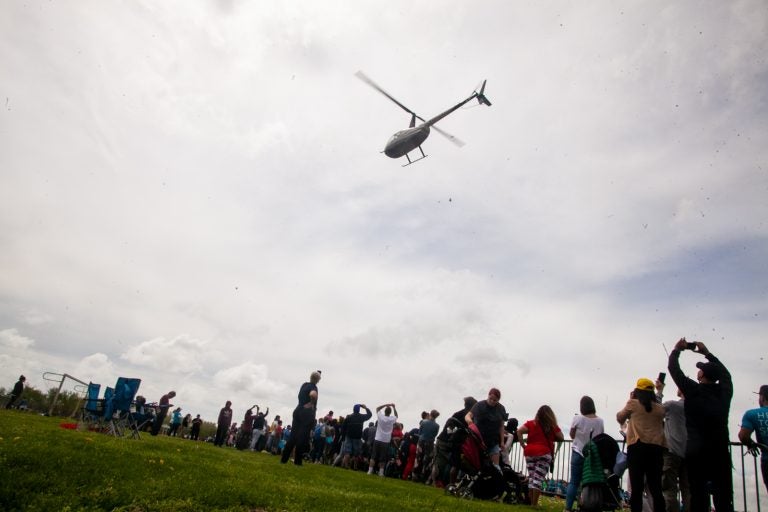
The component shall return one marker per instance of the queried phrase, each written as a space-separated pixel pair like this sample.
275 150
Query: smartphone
690 345
662 376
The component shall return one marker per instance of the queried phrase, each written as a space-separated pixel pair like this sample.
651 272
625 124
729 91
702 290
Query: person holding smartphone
707 405
645 444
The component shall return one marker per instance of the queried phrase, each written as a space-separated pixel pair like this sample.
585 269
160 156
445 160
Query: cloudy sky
193 193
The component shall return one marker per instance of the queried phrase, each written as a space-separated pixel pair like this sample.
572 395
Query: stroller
601 476
480 479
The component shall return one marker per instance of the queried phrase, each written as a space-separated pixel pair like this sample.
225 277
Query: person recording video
707 405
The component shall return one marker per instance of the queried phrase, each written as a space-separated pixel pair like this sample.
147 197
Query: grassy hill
48 468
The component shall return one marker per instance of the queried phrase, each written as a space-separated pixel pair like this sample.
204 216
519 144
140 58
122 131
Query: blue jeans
577 465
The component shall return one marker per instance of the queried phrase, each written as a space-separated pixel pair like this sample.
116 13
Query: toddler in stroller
480 479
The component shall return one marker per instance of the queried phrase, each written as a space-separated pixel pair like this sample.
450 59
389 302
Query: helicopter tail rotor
481 97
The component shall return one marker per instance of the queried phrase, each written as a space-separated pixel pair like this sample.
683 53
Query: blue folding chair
93 410
125 392
108 408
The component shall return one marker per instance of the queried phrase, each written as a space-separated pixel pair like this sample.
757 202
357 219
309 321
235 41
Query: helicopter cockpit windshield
398 135
394 137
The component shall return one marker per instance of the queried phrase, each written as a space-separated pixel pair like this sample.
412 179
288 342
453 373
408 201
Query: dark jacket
706 405
353 424
225 416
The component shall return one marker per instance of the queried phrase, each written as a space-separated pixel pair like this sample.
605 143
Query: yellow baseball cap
644 384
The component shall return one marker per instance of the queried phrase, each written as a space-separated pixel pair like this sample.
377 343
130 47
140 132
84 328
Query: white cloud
183 354
96 368
11 338
249 380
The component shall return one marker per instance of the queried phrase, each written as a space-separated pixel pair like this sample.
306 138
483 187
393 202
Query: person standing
428 430
489 417
277 437
384 426
584 427
258 428
271 438
222 428
707 406
674 476
303 419
756 420
185 424
175 422
194 434
645 444
162 411
537 438
369 435
18 389
246 428
353 440
510 438
448 445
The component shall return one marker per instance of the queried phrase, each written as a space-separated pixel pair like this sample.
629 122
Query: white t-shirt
586 428
384 428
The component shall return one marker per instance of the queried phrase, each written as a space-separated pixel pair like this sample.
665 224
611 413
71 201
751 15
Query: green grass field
48 468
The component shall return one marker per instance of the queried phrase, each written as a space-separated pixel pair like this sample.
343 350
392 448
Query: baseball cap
710 370
644 384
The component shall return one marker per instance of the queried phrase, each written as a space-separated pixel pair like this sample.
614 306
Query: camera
690 345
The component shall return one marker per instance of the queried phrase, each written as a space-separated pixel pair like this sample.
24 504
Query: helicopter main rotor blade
373 84
458 142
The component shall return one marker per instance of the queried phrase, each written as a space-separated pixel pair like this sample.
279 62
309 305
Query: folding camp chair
125 392
141 416
108 409
92 412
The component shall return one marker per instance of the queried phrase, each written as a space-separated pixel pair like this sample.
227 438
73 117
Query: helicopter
405 141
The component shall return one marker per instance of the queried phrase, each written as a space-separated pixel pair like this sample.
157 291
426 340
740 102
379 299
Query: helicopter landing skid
423 156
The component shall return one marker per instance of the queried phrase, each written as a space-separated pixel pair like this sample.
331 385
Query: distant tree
67 404
207 429
38 402
33 399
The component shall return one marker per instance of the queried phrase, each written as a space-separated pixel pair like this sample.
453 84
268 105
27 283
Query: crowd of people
676 450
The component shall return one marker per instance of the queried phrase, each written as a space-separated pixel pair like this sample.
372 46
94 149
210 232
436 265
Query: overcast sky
193 193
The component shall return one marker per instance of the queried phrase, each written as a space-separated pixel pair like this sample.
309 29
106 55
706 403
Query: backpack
591 497
593 480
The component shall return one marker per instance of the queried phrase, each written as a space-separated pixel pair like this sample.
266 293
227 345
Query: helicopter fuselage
405 141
